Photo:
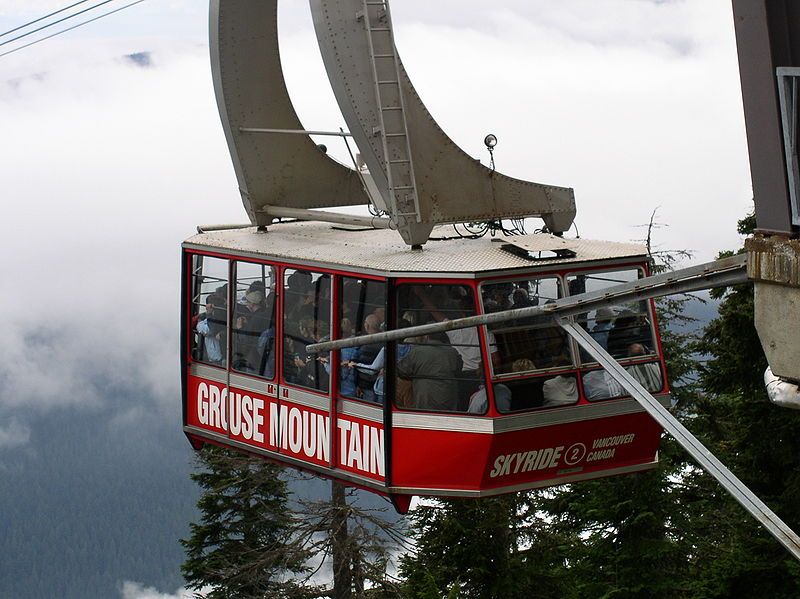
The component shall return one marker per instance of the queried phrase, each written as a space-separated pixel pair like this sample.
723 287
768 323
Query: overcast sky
106 165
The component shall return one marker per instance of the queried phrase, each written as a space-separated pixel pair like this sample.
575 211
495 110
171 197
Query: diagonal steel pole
721 273
757 508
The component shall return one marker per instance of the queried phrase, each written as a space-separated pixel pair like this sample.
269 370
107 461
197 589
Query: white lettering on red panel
246 414
552 457
303 431
291 428
361 447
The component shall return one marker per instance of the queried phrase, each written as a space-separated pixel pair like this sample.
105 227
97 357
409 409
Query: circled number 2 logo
575 453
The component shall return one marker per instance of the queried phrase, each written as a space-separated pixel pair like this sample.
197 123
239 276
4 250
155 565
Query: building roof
382 251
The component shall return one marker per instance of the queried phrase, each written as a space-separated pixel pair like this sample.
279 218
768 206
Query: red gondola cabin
468 413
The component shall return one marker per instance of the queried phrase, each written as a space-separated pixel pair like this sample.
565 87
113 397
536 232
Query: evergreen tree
358 544
732 556
245 544
483 548
252 541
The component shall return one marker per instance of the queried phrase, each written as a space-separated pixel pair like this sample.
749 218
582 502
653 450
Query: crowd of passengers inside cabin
532 360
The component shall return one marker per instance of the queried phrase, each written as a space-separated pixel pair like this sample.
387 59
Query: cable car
469 413
341 351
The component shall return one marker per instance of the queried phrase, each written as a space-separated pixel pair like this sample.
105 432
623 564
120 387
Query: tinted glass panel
624 330
437 372
253 336
362 312
306 320
209 310
526 344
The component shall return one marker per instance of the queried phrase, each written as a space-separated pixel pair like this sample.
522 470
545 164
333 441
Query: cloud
110 168
13 434
134 590
107 166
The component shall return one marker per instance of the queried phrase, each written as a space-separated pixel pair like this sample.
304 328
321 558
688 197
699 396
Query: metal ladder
393 127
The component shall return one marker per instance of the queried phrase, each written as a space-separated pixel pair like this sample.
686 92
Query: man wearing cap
251 319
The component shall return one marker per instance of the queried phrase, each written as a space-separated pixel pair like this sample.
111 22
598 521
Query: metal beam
374 222
721 273
294 132
737 489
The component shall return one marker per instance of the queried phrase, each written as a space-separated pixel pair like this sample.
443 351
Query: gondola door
359 379
301 419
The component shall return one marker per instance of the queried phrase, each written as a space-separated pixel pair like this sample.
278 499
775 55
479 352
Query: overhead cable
111 12
61 20
29 23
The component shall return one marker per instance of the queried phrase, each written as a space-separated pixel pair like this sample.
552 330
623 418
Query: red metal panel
435 459
432 459
588 447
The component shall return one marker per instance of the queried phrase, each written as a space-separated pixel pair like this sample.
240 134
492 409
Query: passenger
502 399
647 375
293 365
211 326
560 390
629 328
523 365
467 343
380 314
501 294
598 384
521 300
251 319
313 370
347 376
366 356
550 343
266 350
262 356
373 370
222 292
299 300
603 321
432 366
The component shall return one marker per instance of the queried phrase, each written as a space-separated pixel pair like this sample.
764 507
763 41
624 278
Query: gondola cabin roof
382 252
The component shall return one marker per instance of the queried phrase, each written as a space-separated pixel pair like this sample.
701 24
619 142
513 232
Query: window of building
253 333
624 330
526 344
362 311
209 310
439 372
306 320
